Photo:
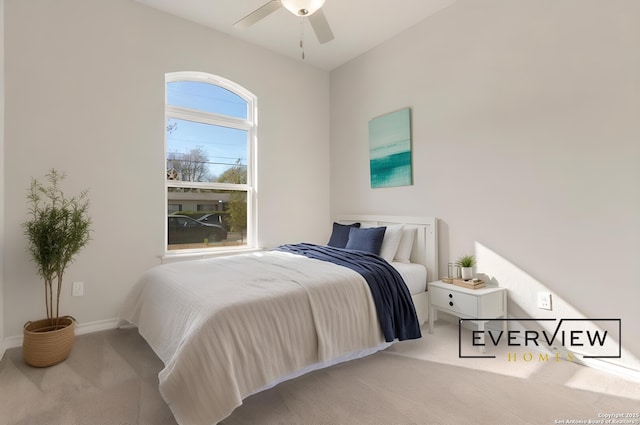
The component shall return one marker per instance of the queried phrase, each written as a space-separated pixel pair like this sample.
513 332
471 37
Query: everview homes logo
588 337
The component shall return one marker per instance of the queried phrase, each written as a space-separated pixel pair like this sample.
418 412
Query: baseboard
81 329
12 342
613 368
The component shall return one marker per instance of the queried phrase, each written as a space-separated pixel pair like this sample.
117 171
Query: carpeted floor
111 379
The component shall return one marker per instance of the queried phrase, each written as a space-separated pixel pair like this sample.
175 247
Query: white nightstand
489 302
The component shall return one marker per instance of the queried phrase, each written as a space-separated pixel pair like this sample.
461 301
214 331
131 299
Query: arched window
210 161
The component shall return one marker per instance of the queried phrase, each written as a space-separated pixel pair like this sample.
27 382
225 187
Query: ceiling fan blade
261 12
321 26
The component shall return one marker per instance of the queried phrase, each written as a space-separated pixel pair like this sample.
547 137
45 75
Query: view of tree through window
209 132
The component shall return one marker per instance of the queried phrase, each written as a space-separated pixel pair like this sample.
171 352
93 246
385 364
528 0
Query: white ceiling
358 25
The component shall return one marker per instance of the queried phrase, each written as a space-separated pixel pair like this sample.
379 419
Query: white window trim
251 188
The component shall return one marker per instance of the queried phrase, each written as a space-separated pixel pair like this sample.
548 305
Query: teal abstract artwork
390 149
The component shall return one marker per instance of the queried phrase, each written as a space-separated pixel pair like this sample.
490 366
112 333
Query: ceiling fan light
302 7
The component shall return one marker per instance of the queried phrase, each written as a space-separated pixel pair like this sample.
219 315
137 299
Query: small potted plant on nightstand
466 266
57 229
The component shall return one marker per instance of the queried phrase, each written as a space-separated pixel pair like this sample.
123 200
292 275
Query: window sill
197 254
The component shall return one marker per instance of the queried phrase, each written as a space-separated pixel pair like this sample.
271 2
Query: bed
229 327
421 264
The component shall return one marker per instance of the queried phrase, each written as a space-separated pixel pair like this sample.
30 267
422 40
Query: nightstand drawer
455 301
479 305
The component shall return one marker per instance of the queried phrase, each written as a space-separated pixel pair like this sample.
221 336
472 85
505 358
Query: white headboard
425 244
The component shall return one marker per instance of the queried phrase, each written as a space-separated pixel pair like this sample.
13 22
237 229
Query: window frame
249 124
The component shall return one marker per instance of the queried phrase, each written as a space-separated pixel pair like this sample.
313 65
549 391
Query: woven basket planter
46 344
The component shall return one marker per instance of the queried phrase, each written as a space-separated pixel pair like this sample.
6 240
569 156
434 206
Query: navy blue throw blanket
396 312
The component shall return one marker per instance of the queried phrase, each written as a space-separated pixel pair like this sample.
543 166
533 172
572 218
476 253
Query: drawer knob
451 303
450 295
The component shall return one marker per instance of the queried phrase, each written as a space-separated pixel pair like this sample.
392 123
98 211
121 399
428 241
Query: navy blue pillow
368 239
340 234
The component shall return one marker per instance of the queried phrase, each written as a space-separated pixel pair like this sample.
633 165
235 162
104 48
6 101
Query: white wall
2 158
525 143
85 94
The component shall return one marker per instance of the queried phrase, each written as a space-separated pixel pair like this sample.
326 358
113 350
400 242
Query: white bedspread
225 327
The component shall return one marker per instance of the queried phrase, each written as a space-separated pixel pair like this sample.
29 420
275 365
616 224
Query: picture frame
390 156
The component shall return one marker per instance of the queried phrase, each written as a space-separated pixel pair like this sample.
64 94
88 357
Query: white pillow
391 240
403 253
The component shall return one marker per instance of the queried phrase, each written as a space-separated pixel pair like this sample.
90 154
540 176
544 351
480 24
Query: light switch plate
544 300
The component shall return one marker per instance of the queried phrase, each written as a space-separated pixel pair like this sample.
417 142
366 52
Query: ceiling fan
303 8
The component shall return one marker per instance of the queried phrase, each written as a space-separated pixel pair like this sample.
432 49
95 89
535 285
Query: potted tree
57 229
466 266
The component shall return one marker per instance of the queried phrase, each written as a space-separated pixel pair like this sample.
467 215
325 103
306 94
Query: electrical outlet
544 300
77 289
